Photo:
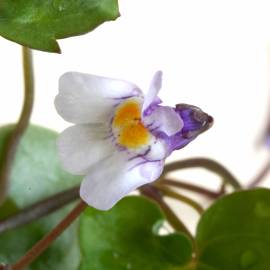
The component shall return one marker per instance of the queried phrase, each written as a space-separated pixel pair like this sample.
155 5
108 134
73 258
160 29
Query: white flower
120 138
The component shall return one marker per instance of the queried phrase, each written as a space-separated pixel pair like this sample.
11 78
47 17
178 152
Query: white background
214 54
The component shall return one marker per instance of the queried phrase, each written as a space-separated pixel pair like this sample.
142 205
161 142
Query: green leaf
37 174
126 237
234 233
38 24
8 208
64 253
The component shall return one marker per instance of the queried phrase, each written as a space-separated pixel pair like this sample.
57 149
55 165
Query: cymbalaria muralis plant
119 141
119 128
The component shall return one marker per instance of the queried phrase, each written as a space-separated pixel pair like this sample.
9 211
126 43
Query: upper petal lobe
85 98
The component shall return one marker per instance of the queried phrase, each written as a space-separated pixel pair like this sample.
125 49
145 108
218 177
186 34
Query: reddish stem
154 194
46 241
191 187
261 175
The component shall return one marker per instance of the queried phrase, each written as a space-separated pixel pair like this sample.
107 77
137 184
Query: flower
121 138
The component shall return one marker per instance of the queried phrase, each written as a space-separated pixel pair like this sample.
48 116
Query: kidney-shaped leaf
126 237
35 175
38 24
234 233
36 172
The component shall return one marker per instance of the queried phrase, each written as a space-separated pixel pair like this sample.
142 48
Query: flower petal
115 177
151 97
81 146
85 98
164 119
158 150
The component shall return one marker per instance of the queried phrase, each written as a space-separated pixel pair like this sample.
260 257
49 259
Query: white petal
113 178
81 146
154 88
164 119
85 98
158 150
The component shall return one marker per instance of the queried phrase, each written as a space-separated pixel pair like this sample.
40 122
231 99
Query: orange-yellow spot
134 136
131 133
127 113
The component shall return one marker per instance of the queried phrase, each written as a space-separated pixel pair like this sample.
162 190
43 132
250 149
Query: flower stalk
261 175
18 131
184 199
191 187
207 164
153 193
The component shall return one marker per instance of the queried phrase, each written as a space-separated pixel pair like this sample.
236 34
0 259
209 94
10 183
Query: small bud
195 120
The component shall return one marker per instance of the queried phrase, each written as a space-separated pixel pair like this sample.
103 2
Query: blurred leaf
37 24
8 208
64 253
234 233
37 174
126 237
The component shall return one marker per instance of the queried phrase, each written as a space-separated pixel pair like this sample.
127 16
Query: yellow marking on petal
131 133
134 136
127 113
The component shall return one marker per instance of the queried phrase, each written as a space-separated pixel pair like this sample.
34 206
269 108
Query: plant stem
205 163
170 193
45 242
154 194
261 175
16 134
55 202
5 267
191 187
39 209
